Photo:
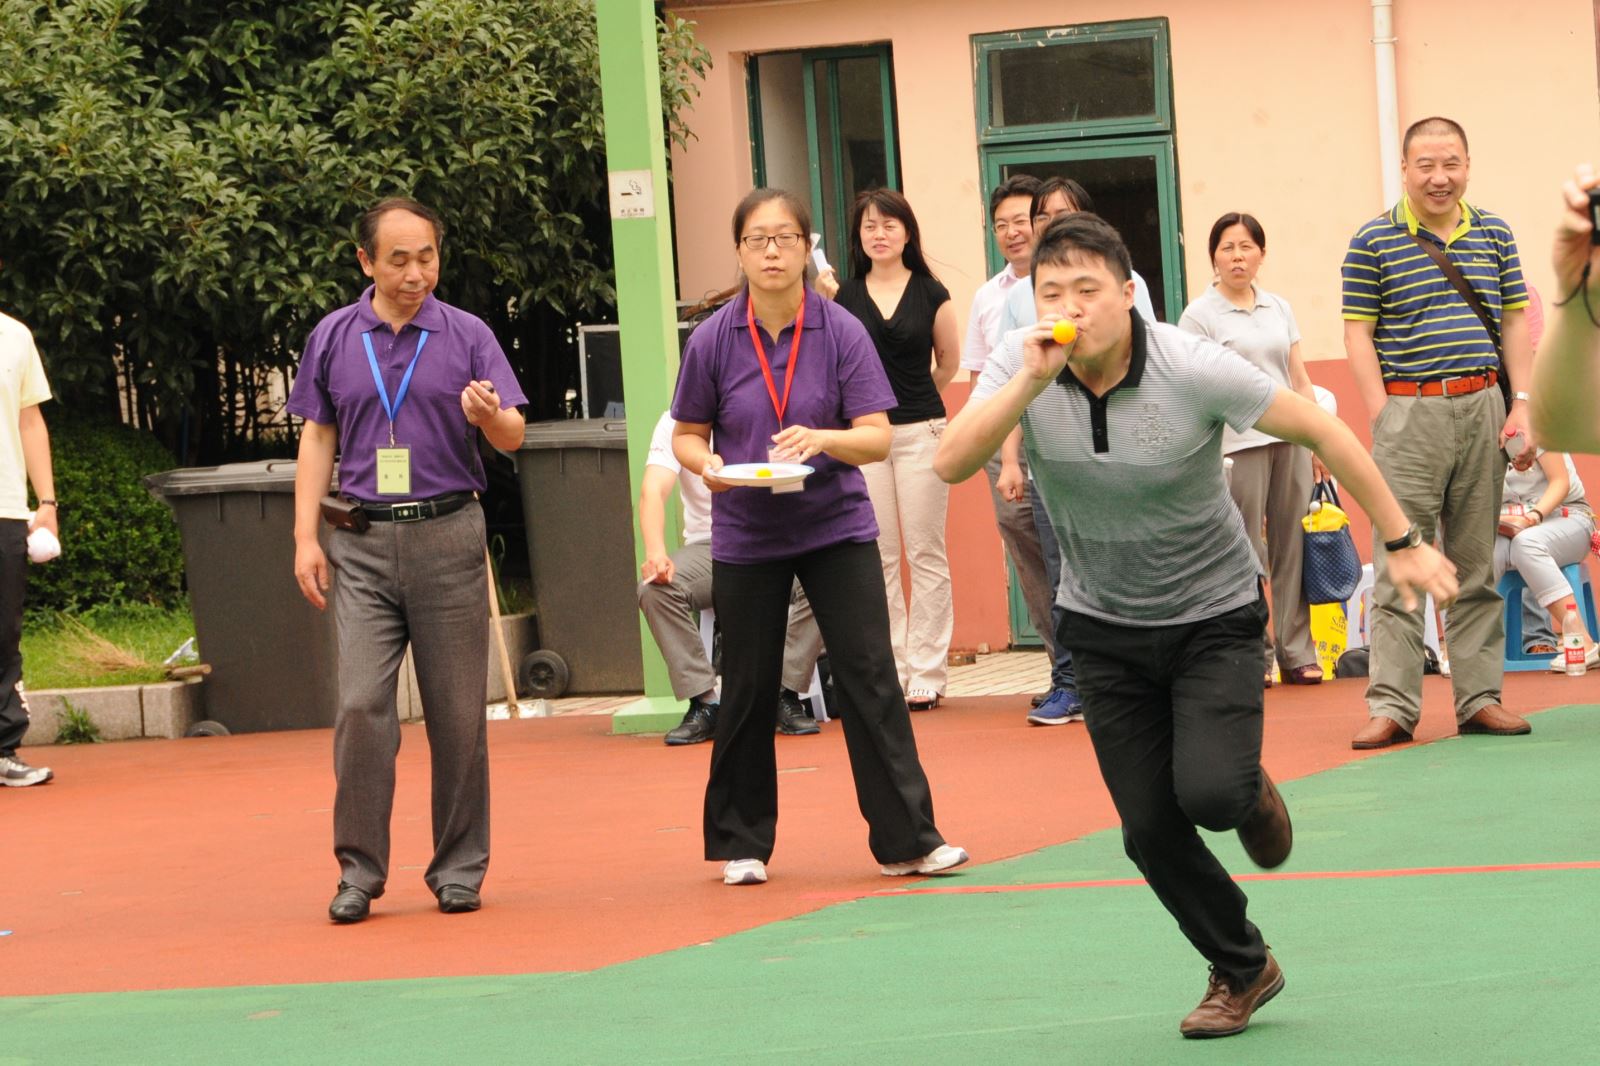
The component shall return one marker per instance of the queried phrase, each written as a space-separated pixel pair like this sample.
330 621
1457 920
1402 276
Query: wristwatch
1409 539
1519 396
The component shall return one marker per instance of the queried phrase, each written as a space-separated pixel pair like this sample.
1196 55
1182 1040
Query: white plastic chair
1358 611
819 705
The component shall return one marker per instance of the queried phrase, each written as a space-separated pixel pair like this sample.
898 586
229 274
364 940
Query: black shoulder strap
1468 293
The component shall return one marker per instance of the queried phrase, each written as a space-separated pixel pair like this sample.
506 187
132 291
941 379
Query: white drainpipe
1388 99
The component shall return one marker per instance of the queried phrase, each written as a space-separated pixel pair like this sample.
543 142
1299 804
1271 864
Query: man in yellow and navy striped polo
1427 350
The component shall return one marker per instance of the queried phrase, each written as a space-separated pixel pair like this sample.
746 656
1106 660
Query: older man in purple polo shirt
399 384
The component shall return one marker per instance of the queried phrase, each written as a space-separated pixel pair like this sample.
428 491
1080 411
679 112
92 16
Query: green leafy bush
118 543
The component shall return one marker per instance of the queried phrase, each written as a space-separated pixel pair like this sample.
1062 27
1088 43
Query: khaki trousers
1441 458
911 502
1272 486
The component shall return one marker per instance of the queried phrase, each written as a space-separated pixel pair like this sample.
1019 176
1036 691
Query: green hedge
118 543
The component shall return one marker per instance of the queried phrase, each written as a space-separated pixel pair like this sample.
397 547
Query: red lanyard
766 368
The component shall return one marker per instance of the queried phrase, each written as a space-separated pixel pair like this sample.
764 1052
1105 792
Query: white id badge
394 471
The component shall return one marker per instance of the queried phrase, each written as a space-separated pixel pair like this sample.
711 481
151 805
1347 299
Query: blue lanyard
405 382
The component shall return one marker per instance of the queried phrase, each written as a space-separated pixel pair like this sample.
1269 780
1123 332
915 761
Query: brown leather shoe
1379 732
1267 834
1494 720
1225 1011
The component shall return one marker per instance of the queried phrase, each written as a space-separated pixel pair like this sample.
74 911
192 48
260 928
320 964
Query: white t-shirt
696 497
988 311
22 384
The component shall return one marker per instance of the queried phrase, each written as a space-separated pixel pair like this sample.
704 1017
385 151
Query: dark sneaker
793 721
1059 708
15 773
1227 1009
698 724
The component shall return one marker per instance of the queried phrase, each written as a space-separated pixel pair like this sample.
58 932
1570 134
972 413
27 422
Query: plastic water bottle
1572 642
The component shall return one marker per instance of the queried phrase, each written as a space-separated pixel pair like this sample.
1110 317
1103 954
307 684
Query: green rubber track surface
1442 906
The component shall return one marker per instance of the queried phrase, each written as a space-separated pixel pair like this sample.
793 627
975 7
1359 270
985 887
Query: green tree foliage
119 544
182 177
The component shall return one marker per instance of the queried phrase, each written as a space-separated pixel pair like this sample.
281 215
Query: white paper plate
763 475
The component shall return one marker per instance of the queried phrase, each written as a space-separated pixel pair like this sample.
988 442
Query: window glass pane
1126 194
826 215
1072 81
783 122
861 124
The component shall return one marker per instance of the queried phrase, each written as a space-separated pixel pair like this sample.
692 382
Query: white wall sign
632 194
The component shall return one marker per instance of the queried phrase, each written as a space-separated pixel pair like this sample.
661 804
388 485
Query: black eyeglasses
757 242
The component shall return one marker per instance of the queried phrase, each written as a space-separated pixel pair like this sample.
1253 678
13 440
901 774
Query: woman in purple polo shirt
780 374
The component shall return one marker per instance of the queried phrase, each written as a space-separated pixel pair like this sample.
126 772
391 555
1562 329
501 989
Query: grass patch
76 726
122 644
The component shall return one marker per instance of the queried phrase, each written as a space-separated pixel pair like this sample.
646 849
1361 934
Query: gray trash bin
578 507
273 657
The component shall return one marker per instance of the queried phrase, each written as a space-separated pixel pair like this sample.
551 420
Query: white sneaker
1591 660
15 773
745 872
942 858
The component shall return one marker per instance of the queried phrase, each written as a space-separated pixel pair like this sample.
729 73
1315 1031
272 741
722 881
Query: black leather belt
417 510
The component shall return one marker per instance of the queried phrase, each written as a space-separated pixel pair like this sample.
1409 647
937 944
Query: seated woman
1552 530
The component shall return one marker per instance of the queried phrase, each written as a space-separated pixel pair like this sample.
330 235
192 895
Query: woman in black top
913 326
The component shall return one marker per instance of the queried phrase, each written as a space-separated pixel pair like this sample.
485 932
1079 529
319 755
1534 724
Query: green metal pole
630 93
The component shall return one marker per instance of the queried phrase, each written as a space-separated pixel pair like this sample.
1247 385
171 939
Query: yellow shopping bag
1330 629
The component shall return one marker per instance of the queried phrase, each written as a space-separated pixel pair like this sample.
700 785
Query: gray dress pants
420 583
669 611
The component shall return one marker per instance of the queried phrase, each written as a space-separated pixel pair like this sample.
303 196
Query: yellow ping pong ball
1065 331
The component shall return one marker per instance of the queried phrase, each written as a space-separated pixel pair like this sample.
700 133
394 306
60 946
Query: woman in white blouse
1271 479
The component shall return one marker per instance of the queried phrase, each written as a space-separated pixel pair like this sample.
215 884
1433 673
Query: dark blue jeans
1061 672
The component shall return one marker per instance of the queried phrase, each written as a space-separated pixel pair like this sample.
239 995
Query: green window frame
830 199
1159 120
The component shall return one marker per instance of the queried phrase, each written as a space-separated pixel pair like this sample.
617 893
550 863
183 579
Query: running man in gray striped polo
1162 599
1426 362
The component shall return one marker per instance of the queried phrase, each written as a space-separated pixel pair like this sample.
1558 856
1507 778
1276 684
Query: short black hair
1016 185
367 226
756 197
1086 233
1236 218
1436 125
1077 194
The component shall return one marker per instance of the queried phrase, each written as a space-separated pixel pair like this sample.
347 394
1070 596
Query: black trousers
13 588
844 583
1175 715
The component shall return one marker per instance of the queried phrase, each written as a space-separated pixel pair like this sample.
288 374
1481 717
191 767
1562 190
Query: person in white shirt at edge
1011 211
1565 405
1551 528
1056 196
675 585
1271 479
1162 594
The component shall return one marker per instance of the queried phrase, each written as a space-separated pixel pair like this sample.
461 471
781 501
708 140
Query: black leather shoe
458 899
793 721
350 904
699 724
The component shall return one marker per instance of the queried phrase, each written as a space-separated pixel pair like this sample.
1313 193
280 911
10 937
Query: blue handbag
1330 568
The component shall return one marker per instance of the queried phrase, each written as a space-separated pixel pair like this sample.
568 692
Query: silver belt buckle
405 512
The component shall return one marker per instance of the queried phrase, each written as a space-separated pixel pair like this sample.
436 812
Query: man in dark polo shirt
399 385
1428 369
1161 596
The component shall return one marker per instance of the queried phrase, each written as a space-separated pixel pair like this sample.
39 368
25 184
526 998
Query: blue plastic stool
1512 587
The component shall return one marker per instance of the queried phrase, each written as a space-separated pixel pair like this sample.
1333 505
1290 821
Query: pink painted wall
1274 113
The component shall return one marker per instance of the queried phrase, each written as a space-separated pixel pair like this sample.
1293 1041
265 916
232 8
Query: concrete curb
123 712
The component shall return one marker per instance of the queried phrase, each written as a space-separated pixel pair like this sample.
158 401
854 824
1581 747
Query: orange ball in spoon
1065 331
